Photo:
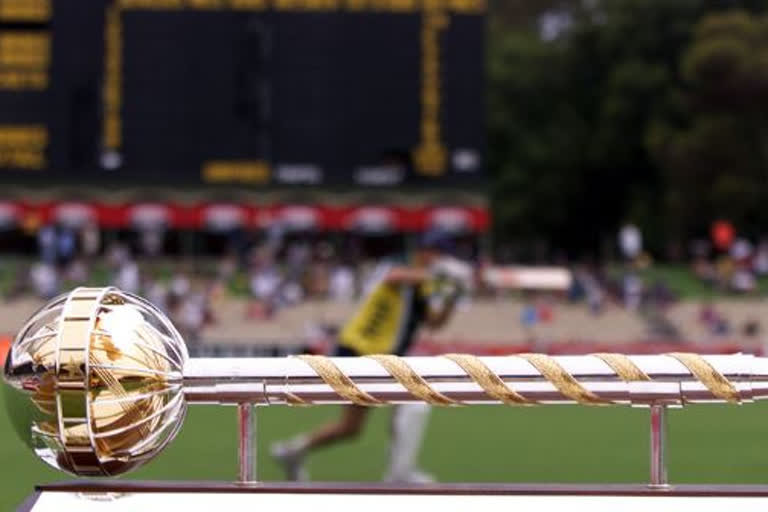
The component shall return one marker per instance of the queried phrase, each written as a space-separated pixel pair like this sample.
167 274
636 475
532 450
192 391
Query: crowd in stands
275 273
279 272
736 270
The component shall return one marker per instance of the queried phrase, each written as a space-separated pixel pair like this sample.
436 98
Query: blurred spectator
545 313
227 266
191 315
632 290
660 295
290 293
721 327
699 248
45 280
298 255
529 316
156 293
752 328
704 270
740 250
178 288
577 292
725 269
151 241
760 261
90 240
743 280
116 254
593 290
630 241
127 276
707 314
342 284
77 272
722 233
318 278
265 281
660 326
715 323
46 243
66 244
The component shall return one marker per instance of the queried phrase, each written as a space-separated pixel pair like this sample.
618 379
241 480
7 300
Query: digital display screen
242 92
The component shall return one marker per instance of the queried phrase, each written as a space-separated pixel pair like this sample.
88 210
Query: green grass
681 280
724 444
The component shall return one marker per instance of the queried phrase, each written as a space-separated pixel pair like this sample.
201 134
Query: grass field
724 444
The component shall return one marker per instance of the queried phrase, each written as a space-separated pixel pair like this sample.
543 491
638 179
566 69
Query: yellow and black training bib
386 320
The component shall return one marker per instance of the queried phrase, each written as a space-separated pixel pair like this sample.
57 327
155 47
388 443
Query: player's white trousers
408 425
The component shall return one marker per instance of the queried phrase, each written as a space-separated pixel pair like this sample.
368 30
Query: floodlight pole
658 446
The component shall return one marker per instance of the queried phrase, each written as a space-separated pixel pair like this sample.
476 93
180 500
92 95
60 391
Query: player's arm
447 267
438 317
406 275
440 305
451 278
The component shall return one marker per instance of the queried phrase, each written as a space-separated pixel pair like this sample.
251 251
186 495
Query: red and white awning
74 215
453 220
371 220
150 216
10 214
297 218
456 219
225 216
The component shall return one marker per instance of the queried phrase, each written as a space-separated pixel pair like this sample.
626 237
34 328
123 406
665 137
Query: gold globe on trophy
102 370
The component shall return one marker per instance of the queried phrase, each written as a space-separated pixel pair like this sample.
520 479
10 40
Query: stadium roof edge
401 196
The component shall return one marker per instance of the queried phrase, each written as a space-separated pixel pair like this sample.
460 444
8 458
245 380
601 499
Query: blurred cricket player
399 300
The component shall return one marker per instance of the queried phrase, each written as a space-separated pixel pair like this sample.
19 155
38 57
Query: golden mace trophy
98 382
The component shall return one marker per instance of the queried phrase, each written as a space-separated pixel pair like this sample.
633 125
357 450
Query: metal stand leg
246 419
658 446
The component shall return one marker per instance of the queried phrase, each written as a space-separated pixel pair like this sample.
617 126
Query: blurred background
245 164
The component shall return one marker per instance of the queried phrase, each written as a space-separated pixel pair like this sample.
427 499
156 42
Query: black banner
243 92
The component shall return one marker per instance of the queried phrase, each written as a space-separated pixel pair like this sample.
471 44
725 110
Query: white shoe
291 459
414 477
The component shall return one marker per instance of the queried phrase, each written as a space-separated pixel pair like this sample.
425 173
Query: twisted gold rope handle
339 382
486 379
412 381
624 368
563 381
714 381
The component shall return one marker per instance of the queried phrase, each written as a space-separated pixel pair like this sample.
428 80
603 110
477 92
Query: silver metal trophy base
443 489
90 496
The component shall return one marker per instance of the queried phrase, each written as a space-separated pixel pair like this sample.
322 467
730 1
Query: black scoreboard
242 92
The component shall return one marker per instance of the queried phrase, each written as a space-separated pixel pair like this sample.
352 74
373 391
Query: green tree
580 126
715 159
